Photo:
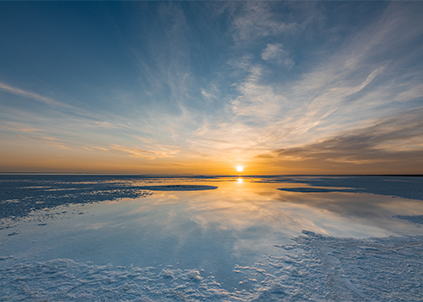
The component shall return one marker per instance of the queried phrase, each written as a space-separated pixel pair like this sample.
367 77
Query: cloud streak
394 141
256 20
31 95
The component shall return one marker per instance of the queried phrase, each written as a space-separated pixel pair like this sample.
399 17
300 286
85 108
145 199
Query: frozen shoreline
315 268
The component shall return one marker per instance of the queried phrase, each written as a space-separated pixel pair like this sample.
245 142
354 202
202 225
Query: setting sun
240 168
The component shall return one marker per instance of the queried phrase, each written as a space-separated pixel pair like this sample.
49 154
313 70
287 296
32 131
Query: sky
162 87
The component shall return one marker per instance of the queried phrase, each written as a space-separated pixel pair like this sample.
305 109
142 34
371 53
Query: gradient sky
201 87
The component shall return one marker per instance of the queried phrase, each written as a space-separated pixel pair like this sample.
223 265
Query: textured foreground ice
271 253
320 268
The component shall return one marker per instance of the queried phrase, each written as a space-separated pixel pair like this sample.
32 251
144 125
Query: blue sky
280 87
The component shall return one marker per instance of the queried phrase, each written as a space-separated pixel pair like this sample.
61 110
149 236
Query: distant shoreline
205 176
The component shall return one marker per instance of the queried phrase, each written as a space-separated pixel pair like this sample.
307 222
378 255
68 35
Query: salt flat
98 238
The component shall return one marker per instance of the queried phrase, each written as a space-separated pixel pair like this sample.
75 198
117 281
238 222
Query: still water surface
242 222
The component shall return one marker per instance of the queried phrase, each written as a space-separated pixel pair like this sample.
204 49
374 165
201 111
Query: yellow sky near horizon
51 158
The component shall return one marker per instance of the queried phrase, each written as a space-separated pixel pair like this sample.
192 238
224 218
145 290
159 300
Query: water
251 238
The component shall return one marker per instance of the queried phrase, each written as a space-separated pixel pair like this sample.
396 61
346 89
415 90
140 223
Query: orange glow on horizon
15 157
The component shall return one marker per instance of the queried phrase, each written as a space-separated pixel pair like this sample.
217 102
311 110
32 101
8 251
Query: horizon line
203 175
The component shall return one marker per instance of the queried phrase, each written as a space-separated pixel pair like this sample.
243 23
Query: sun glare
240 168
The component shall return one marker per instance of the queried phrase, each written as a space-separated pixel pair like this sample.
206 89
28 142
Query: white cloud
272 51
276 53
258 20
151 152
338 94
56 105
211 92
256 101
133 151
30 95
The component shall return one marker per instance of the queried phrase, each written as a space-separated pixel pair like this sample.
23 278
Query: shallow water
251 238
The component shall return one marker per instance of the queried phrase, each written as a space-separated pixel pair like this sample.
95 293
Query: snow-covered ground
115 238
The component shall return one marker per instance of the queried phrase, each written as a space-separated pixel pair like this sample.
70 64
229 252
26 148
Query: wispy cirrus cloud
135 152
256 100
263 118
276 53
58 106
101 148
165 63
46 140
395 140
255 20
152 151
358 83
28 94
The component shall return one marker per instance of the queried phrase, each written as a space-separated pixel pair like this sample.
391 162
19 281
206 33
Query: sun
240 168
